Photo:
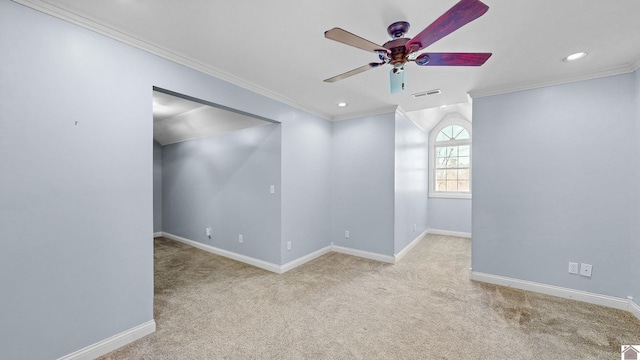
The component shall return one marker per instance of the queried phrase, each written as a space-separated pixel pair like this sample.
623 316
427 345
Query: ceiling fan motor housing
397 51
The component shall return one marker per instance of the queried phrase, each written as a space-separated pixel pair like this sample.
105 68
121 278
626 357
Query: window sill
450 195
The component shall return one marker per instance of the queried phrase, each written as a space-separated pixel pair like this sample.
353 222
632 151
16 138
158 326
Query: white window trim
451 119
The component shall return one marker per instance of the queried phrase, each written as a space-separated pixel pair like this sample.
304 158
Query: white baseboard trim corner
634 308
158 234
115 342
584 296
226 253
364 254
397 257
281 269
449 233
304 259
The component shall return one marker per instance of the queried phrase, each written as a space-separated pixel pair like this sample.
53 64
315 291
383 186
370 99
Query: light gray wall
223 182
157 187
80 218
411 181
306 192
553 183
362 178
450 214
75 200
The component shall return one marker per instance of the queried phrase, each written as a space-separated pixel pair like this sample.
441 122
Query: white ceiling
277 48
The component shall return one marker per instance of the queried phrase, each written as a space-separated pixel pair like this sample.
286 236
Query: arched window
450 155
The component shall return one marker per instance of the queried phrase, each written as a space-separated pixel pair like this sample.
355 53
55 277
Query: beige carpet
344 307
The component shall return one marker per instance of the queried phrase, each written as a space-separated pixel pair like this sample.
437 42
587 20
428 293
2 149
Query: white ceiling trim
115 34
631 67
380 111
400 111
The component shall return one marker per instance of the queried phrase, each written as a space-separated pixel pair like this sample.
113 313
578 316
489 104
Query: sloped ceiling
176 119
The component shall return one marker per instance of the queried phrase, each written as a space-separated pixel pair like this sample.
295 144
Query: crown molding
403 112
625 69
123 37
379 111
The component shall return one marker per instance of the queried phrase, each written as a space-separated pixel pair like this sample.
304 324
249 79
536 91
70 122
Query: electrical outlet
415 228
573 268
272 189
585 270
346 234
288 245
208 232
240 239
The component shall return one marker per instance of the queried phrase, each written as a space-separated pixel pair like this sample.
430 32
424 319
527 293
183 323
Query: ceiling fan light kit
400 50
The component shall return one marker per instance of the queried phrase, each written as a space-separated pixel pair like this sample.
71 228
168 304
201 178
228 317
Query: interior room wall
362 178
450 214
634 246
94 206
554 183
157 187
305 166
222 182
306 192
76 193
411 181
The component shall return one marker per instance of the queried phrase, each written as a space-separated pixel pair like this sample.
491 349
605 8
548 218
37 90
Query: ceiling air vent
426 93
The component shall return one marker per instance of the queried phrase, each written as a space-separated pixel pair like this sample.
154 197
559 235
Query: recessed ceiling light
576 56
342 104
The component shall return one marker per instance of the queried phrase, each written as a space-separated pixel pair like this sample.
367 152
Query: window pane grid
453 132
452 170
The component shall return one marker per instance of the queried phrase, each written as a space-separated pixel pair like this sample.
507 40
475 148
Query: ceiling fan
400 50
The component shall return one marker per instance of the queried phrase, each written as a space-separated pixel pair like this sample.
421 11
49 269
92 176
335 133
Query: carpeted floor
344 307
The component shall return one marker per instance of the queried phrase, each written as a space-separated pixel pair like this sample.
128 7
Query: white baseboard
363 254
449 233
226 253
115 342
408 248
281 269
592 298
158 234
305 259
634 308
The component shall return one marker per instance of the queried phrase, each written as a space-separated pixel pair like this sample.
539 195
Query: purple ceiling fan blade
459 15
452 59
353 72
